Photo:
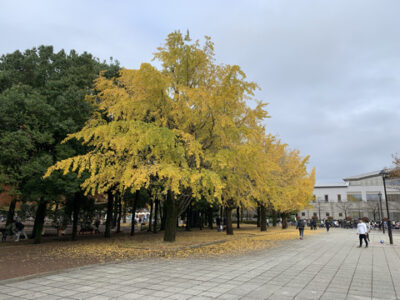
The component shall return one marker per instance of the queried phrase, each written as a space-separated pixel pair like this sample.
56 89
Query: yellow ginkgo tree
133 143
189 130
213 106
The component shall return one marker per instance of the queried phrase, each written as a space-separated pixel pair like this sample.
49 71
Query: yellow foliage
187 127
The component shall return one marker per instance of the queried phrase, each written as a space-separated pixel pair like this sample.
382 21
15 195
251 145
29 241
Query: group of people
363 230
16 227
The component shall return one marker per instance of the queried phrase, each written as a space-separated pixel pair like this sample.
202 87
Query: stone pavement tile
260 293
201 298
287 291
161 294
145 292
210 294
279 297
4 289
113 293
34 295
50 297
229 297
99 297
336 290
82 296
383 295
307 294
208 285
192 292
6 297
67 293
360 293
333 296
354 297
130 296
18 293
128 289
243 289
179 297
52 290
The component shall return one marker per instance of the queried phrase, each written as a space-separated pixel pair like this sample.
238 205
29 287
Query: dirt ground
24 258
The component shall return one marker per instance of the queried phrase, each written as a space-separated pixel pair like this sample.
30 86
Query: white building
358 196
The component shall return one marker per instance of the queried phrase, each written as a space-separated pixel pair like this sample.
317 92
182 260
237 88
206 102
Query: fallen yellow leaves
205 243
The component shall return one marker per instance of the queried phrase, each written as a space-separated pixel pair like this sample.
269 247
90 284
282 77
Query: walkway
325 266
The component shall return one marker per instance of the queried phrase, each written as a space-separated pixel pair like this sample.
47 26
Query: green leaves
42 99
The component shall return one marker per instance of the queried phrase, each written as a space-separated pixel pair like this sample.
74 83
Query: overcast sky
329 69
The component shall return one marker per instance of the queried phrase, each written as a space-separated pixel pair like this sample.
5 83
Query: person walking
362 233
19 228
218 221
300 227
314 224
327 225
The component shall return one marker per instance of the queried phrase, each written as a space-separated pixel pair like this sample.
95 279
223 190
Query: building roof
363 176
330 185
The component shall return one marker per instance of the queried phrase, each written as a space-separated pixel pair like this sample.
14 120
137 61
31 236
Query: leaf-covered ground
25 258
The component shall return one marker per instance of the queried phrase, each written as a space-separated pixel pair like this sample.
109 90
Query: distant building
357 196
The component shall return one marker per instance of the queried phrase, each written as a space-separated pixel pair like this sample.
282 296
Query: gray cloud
329 69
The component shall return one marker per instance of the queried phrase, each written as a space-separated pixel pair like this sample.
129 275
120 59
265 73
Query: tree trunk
228 218
75 213
115 211
134 202
237 218
201 220
163 218
263 217
11 211
189 217
39 221
107 232
210 218
274 218
119 206
155 215
258 216
284 221
124 211
170 222
151 215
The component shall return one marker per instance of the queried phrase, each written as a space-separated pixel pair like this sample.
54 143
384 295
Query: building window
340 215
354 197
327 214
339 198
372 197
326 198
303 214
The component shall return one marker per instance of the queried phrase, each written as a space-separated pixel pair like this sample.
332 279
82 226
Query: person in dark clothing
314 224
327 225
97 225
19 228
300 227
218 221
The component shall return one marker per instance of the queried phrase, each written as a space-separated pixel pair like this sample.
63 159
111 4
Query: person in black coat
300 226
327 225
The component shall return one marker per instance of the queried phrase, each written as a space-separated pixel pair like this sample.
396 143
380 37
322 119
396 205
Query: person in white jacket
362 231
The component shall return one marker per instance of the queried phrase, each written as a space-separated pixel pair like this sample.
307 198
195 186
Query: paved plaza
324 266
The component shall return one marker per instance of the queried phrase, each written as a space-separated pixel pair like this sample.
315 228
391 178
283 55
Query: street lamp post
381 212
383 173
